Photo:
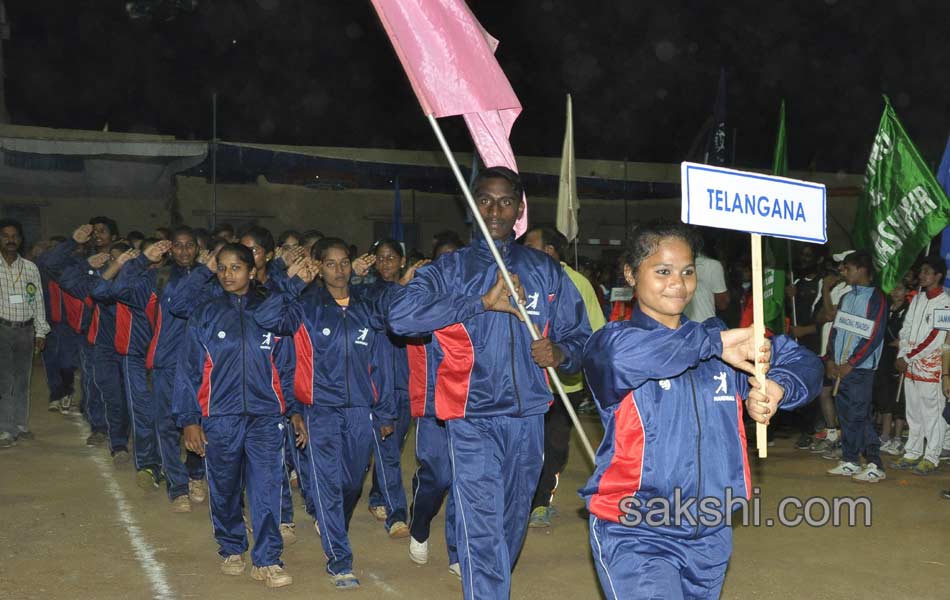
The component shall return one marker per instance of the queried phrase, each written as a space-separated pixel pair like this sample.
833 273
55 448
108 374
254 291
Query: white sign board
621 294
859 326
942 319
753 202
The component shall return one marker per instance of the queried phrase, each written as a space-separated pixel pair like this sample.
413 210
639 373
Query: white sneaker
456 569
871 473
288 532
892 447
418 551
845 468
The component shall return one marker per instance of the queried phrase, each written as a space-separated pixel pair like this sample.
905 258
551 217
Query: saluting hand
293 255
362 264
411 271
195 439
496 298
761 407
300 431
82 234
96 261
126 257
156 251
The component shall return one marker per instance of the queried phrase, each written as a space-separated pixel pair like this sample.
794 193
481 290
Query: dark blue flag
943 178
716 153
397 214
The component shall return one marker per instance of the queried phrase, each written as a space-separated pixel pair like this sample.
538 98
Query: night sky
643 74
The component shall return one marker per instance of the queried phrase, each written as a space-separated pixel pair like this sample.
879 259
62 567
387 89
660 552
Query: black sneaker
804 442
945 494
148 479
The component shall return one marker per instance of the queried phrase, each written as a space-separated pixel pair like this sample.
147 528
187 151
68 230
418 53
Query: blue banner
943 178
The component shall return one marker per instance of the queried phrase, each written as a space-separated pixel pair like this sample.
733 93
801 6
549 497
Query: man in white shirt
23 330
711 292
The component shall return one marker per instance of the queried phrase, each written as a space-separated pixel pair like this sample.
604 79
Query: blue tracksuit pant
299 459
853 403
92 404
60 359
635 563
286 499
246 452
431 482
142 412
387 487
496 462
341 440
168 435
107 377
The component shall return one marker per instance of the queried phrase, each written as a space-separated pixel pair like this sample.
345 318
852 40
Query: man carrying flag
489 389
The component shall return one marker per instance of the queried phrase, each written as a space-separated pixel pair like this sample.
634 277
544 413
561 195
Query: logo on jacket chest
532 305
722 390
361 339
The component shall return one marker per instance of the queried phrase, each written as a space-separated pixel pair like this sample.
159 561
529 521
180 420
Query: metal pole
791 280
214 160
552 372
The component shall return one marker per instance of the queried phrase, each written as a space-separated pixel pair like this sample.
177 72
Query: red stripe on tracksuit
746 475
123 328
74 310
303 374
55 302
452 379
624 474
372 384
151 310
204 391
93 325
418 378
153 345
275 383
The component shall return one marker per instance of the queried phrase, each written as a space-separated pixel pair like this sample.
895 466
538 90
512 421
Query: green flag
776 250
902 207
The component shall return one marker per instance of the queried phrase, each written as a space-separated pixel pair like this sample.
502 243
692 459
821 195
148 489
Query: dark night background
643 74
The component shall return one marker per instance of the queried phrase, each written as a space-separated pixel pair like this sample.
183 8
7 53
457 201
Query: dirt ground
72 526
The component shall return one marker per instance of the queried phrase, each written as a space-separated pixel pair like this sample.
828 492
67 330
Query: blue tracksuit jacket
169 331
484 359
229 364
343 358
672 415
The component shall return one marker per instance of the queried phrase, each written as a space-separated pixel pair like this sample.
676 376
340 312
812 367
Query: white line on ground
144 552
383 585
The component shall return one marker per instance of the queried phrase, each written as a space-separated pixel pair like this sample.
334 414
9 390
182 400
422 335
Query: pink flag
450 61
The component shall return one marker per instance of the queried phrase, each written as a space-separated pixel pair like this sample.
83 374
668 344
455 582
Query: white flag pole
758 336
552 372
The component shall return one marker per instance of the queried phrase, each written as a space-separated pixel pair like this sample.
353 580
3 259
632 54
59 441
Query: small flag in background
397 233
943 178
902 207
776 250
450 61
567 202
716 153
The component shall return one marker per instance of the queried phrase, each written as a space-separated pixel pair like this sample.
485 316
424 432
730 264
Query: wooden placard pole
758 336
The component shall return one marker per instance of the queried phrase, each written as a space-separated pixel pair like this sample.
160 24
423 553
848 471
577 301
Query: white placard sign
621 294
859 326
942 319
753 202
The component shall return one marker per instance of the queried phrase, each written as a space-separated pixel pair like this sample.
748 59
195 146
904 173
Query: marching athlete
670 393
229 402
